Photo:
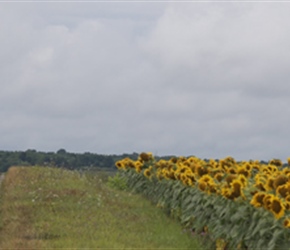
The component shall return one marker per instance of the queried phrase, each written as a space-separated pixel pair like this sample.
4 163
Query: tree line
61 158
64 159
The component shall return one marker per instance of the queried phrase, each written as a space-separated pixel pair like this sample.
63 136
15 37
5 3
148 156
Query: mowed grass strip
45 208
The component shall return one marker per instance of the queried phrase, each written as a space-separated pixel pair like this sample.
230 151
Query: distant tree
61 158
61 151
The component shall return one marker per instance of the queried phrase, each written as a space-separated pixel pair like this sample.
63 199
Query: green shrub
118 181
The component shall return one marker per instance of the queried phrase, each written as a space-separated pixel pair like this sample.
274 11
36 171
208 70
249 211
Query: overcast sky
206 79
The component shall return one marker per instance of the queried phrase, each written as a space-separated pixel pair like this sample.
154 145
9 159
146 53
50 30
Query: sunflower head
230 160
206 178
170 175
226 192
257 200
187 181
287 222
146 156
270 183
200 170
230 178
159 175
148 172
120 164
277 207
219 176
173 160
202 186
232 170
280 180
244 172
236 188
283 190
287 202
267 200
161 164
276 162
271 168
212 188
138 166
260 186
243 180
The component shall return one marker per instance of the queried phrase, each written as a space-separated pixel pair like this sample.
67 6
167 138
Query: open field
54 208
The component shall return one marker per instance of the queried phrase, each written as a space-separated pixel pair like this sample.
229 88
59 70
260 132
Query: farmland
177 203
241 205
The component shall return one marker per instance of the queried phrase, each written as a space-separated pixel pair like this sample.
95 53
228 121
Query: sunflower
159 175
277 207
191 159
257 200
287 222
212 188
206 178
232 170
244 172
187 181
148 173
128 163
165 173
120 164
173 160
230 178
267 200
248 166
270 183
279 180
236 188
161 164
260 177
202 186
213 163
219 176
138 166
182 177
200 170
260 186
146 156
243 180
189 174
226 192
276 162
287 202
271 168
283 190
220 244
230 160
170 175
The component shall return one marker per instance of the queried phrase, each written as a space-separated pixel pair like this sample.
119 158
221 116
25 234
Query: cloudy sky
209 79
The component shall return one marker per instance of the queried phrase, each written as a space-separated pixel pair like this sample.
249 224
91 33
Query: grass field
45 208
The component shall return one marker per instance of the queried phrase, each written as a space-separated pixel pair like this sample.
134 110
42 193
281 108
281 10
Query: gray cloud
204 79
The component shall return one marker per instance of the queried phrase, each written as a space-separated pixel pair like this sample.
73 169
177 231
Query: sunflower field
240 205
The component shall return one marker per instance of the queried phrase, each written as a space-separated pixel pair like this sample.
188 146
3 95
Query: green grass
54 208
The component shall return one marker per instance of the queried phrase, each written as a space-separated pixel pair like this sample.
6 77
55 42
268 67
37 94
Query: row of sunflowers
244 204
